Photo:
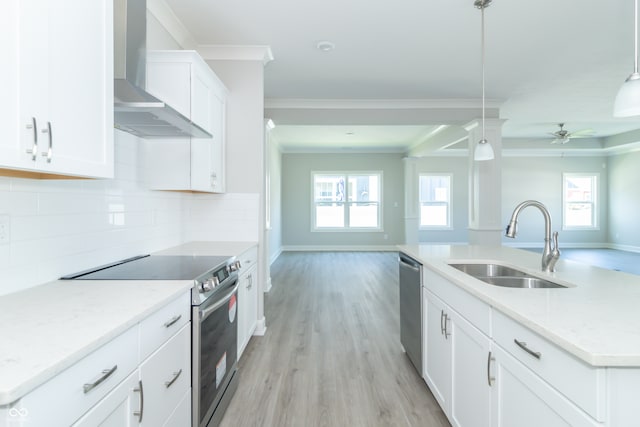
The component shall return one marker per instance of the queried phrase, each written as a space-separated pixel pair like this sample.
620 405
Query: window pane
435 215
435 199
363 215
329 188
579 214
578 189
364 188
329 215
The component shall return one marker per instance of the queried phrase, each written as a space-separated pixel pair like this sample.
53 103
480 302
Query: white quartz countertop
597 318
47 328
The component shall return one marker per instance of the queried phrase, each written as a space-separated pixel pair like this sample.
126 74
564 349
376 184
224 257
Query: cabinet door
252 302
80 81
437 350
521 398
118 409
243 300
166 375
470 382
62 85
218 153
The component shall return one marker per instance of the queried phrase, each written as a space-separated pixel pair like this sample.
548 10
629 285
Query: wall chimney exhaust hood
136 111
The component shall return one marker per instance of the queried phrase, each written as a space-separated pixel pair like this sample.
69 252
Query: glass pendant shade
483 151
628 99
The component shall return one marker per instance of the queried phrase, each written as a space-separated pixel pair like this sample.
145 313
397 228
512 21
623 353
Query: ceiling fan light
483 151
627 102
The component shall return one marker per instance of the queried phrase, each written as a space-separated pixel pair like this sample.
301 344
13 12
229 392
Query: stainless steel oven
214 367
214 321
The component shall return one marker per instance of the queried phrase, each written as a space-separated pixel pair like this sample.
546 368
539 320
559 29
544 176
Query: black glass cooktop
156 267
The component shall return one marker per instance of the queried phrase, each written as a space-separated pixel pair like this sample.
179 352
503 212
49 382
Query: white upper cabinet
183 80
59 119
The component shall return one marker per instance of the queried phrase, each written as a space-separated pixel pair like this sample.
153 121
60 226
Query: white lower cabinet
118 384
118 408
521 398
455 363
247 298
503 375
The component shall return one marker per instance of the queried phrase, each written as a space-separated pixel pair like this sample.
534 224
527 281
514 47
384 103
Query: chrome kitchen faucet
550 254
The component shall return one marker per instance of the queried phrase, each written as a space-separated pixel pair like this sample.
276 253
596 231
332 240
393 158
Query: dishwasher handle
410 263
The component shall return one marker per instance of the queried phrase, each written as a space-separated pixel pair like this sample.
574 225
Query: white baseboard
267 286
339 248
627 248
261 327
275 256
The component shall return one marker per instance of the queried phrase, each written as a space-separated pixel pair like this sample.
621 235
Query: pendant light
483 150
628 99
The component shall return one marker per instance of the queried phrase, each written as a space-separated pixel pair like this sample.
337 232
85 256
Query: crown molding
277 103
236 53
168 19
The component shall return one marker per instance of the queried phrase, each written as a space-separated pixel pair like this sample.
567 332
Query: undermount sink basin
500 275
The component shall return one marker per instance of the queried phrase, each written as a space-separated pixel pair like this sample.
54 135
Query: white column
411 208
485 185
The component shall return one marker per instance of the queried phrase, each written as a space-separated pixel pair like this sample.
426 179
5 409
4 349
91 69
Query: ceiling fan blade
584 133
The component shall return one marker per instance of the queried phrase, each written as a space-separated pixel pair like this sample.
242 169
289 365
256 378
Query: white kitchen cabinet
247 298
523 399
184 81
104 388
165 376
118 408
59 117
456 355
485 369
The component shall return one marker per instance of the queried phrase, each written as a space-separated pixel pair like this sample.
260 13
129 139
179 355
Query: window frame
346 203
595 201
449 225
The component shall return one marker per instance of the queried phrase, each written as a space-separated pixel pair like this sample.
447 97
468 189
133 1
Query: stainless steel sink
500 275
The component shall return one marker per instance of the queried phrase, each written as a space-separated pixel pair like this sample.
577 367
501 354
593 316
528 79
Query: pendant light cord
483 54
635 49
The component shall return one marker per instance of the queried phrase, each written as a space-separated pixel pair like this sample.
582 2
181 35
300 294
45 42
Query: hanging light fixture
483 150
628 99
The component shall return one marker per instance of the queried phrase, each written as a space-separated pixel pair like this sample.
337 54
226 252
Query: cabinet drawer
579 382
163 324
166 375
248 258
64 398
471 308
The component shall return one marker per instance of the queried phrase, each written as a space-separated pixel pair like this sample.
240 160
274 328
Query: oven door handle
207 311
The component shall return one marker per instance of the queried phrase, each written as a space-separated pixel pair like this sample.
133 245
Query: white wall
540 178
624 201
296 200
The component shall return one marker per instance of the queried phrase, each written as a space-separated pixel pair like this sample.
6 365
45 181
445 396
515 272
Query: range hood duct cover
136 111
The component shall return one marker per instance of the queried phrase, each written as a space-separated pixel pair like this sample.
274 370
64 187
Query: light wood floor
331 355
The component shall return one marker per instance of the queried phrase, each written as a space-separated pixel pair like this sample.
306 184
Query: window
435 201
580 201
346 201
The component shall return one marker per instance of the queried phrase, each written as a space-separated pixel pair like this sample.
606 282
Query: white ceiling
547 61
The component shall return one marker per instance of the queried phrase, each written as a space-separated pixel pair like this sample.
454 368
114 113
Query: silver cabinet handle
442 322
523 345
168 384
141 411
105 374
172 321
49 152
33 150
447 334
490 359
250 281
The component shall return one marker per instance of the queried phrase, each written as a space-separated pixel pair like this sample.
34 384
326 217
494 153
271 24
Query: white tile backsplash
64 226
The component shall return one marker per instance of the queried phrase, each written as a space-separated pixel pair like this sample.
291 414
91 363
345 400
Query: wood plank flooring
331 355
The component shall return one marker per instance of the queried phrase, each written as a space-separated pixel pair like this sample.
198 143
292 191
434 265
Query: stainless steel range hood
136 111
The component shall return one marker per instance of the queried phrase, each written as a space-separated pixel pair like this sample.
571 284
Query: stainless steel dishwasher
411 309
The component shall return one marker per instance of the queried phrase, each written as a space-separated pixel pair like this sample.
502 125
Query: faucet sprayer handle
556 248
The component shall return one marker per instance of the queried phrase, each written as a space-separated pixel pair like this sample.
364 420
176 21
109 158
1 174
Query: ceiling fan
563 136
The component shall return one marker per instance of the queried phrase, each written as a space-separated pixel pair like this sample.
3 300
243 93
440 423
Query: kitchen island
575 349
